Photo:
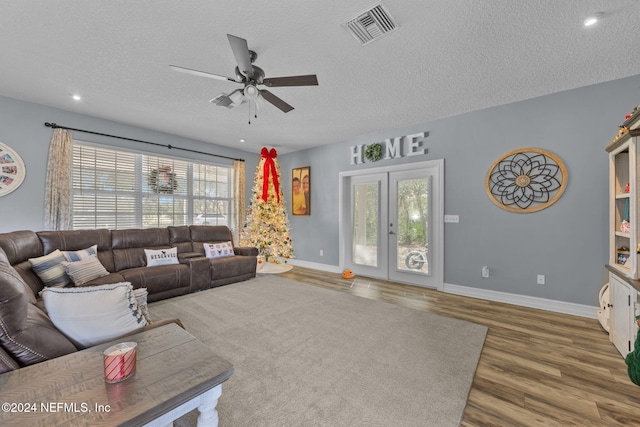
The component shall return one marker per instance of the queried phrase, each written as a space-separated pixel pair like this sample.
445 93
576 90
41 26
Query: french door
391 223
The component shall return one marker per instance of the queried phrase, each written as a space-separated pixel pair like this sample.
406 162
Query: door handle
391 232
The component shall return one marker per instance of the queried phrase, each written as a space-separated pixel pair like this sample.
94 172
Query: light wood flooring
537 368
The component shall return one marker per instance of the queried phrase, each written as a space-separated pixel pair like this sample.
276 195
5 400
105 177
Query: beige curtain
238 199
57 204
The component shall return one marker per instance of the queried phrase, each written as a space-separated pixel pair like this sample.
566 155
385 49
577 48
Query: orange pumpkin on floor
348 274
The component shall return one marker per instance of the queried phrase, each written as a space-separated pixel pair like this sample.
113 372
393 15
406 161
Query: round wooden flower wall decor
526 180
12 170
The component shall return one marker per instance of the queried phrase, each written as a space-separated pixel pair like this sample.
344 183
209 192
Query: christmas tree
267 227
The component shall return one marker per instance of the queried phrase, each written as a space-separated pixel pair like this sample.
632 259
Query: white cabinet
622 323
624 232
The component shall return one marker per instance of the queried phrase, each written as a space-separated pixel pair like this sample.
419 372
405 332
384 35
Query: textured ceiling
447 57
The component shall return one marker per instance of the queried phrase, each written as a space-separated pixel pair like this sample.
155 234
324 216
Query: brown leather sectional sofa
27 335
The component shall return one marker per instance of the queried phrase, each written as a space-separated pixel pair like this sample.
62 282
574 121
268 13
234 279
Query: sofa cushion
21 245
74 240
201 234
128 246
223 268
85 270
180 237
26 333
50 270
92 315
158 279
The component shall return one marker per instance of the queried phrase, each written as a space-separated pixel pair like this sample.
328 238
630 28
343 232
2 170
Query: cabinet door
623 329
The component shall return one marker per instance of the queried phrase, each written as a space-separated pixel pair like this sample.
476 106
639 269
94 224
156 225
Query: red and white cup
120 362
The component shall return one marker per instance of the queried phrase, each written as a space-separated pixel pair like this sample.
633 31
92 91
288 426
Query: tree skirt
271 268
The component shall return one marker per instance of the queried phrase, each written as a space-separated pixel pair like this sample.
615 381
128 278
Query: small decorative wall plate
526 180
12 170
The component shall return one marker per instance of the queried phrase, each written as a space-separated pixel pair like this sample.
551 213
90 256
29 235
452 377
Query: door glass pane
365 224
413 222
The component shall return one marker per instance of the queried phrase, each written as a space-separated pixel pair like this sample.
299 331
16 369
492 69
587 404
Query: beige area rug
308 356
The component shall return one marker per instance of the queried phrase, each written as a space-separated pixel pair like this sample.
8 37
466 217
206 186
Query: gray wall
22 128
567 242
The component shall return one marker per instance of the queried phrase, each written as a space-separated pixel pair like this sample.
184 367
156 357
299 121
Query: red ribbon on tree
269 167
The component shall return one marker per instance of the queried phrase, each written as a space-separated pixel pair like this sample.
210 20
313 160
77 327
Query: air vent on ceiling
371 24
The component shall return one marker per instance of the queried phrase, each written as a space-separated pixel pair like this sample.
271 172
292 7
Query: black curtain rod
169 146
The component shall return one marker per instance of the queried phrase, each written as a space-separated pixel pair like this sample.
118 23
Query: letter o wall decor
526 180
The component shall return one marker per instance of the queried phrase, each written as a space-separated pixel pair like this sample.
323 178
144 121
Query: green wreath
373 152
162 180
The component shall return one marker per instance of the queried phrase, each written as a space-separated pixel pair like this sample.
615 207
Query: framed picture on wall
301 191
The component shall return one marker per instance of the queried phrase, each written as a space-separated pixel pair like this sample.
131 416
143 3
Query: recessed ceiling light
76 97
242 140
592 19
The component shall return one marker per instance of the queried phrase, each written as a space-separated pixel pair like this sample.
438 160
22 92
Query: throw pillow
141 298
50 270
161 256
218 250
94 314
84 270
73 256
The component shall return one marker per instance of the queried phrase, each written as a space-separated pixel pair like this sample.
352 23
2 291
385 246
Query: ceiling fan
250 77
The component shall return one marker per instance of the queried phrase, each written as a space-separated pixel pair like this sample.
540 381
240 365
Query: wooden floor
537 368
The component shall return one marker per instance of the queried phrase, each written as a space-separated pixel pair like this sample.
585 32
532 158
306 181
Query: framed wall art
12 170
301 191
526 180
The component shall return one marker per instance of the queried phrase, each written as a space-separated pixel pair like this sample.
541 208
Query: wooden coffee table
175 374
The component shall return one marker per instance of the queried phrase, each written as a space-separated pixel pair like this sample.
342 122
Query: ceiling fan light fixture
592 19
251 92
236 97
222 100
260 102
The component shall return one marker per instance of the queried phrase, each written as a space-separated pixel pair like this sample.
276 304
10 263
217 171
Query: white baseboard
524 301
315 265
581 310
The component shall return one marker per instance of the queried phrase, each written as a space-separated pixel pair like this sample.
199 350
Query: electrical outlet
540 279
452 218
321 252
485 271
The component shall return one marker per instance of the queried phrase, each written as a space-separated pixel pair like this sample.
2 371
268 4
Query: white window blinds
118 189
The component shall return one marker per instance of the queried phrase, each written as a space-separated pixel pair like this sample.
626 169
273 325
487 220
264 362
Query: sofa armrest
200 269
246 251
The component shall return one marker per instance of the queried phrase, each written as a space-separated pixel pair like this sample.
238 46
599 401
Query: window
118 189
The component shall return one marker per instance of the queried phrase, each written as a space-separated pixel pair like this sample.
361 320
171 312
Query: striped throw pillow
50 270
73 256
84 270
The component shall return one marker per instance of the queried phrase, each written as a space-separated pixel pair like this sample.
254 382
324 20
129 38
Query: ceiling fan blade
202 73
307 80
240 50
276 101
